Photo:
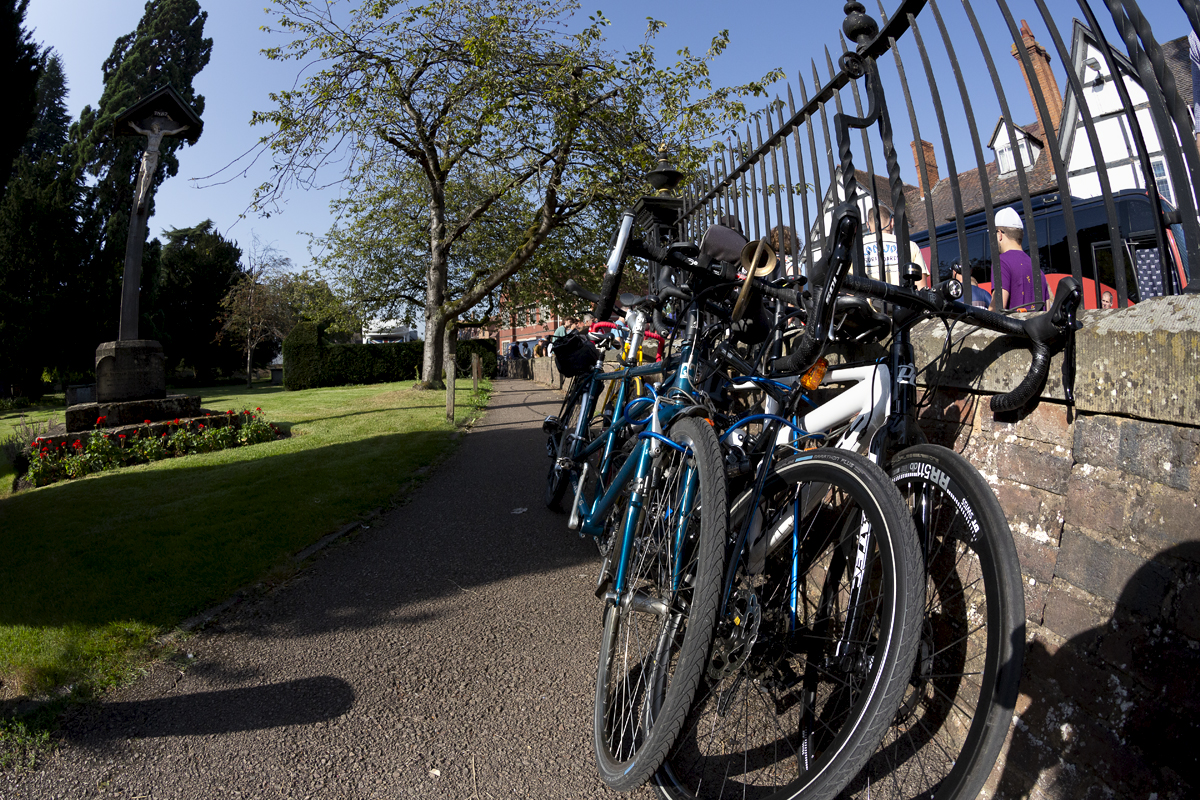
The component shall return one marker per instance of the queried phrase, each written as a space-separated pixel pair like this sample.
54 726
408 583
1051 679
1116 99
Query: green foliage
303 358
43 308
487 349
309 362
51 120
182 298
452 115
97 452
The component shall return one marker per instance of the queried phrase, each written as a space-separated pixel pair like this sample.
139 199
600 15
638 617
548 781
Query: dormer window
1007 162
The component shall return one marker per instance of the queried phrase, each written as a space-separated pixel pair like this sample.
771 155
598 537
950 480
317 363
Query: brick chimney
931 166
1042 76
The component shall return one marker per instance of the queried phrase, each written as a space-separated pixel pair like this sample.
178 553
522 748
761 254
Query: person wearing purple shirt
1016 268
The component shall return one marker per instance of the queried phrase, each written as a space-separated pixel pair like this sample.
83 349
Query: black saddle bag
574 355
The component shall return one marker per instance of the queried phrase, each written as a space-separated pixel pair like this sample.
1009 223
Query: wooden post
476 371
451 344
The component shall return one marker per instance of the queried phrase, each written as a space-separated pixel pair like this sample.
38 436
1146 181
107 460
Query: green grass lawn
95 570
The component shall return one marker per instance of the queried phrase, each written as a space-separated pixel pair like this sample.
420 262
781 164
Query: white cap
1008 218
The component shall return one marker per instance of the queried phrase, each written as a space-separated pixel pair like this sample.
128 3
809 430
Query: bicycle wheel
559 444
811 662
656 637
951 726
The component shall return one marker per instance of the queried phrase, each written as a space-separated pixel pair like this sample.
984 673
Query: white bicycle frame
865 405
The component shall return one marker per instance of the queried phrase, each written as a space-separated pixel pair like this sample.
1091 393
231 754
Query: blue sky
764 35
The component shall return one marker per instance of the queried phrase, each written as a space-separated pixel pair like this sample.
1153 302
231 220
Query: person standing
886 238
1016 268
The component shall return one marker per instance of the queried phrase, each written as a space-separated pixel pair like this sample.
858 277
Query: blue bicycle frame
588 517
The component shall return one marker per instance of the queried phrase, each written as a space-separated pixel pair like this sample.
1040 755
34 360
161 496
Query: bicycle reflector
815 374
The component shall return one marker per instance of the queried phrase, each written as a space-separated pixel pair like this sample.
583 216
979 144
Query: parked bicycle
951 723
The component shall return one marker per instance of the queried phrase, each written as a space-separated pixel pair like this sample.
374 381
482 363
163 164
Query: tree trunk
451 367
249 360
435 292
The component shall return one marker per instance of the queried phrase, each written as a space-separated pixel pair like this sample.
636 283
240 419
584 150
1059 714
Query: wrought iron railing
1087 178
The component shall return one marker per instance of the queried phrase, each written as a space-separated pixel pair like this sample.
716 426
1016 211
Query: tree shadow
305 701
1115 709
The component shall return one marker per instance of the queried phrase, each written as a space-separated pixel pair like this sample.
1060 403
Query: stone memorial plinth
131 412
131 387
130 370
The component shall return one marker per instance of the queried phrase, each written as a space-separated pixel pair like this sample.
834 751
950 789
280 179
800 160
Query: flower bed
56 458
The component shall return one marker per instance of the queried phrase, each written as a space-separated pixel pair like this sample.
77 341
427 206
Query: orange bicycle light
815 374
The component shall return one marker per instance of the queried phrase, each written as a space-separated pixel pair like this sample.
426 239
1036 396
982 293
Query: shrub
487 349
310 362
303 357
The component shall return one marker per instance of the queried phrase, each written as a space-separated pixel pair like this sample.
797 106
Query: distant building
387 332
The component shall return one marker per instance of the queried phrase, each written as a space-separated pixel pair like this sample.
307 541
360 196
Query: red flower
201 426
230 411
146 422
258 409
100 420
177 420
121 435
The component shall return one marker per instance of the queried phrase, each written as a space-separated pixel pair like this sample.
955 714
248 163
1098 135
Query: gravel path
448 651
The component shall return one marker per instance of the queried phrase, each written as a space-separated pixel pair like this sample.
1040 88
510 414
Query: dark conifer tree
19 71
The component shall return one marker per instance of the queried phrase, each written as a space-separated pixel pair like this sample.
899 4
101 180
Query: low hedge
309 361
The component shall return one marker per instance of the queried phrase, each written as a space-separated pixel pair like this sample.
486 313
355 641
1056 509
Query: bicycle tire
655 640
794 709
558 446
953 721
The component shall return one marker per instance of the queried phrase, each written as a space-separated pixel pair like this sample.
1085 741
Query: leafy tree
19 73
312 299
182 292
458 85
378 251
167 47
256 312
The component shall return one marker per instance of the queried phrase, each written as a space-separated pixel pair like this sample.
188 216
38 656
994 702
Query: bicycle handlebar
1044 330
828 274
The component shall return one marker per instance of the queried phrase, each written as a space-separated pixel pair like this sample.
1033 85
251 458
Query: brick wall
1103 507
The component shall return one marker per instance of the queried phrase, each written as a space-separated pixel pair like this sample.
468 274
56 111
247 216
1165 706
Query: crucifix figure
154 138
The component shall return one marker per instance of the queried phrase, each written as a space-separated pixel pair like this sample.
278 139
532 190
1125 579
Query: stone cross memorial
131 383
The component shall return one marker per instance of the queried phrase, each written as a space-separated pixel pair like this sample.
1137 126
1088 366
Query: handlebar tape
580 292
827 276
1045 331
607 299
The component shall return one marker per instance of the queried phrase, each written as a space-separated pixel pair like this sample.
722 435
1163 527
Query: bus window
947 255
1135 217
1103 258
978 252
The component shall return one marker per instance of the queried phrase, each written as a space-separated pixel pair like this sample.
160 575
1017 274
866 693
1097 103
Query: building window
1160 177
1004 157
1007 163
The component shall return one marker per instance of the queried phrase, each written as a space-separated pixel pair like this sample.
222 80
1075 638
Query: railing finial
857 26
